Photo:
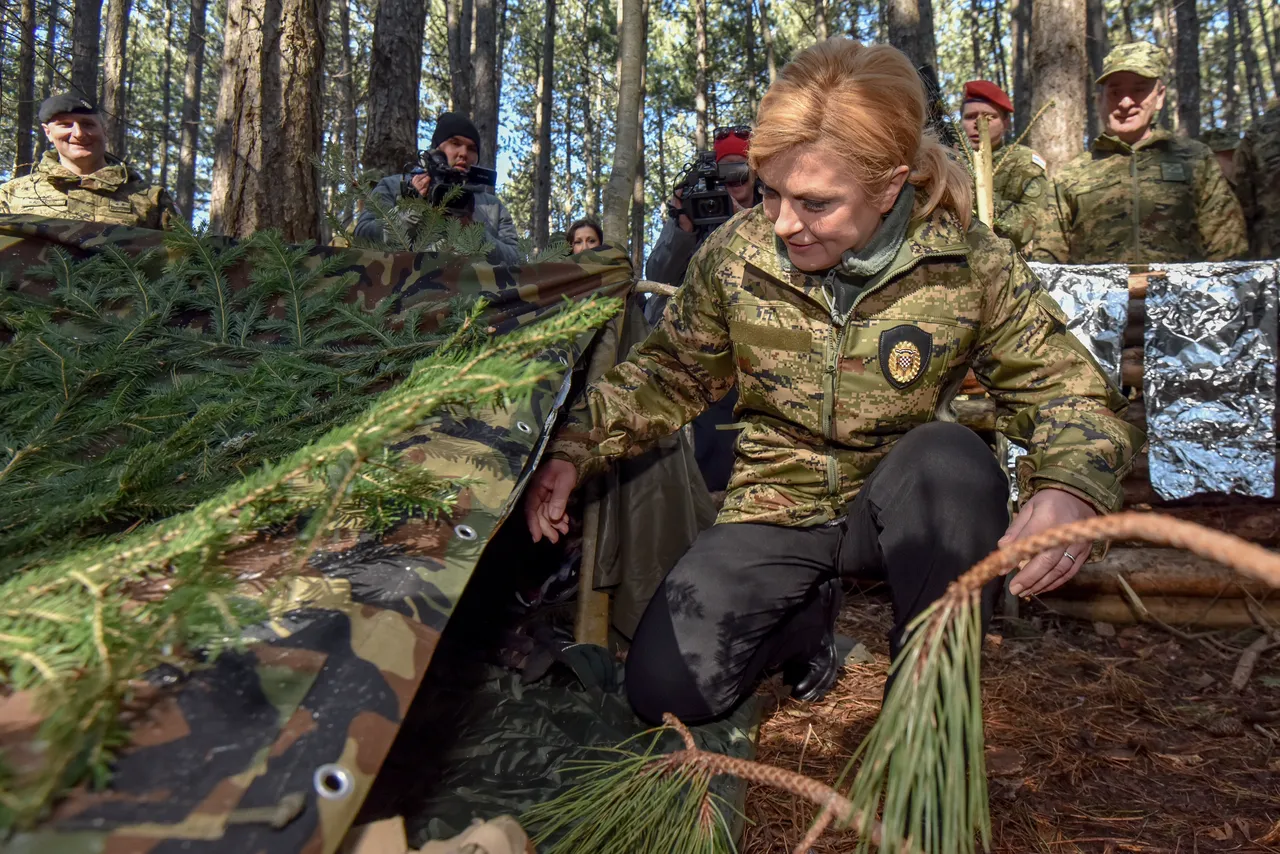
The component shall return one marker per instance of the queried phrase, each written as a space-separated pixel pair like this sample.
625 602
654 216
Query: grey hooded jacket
489 212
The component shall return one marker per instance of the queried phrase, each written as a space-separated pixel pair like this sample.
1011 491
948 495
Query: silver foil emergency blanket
1210 378
1095 299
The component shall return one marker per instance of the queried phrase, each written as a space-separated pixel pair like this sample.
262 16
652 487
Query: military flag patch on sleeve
1039 161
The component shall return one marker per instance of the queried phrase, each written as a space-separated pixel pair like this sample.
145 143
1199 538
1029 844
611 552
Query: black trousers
747 597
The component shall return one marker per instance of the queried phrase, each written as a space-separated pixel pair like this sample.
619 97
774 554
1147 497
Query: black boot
812 676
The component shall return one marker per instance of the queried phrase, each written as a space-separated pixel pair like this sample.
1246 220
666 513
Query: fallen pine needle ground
1131 741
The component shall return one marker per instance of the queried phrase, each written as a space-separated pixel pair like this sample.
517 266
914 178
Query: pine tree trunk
753 73
911 29
346 67
114 71
1058 67
997 46
267 132
1253 73
1187 63
587 98
662 154
23 152
1268 38
542 139
820 19
1096 45
1020 42
395 70
701 137
191 81
637 186
1126 13
1231 97
85 24
484 103
166 94
617 195
499 57
458 21
975 37
50 50
766 28
4 40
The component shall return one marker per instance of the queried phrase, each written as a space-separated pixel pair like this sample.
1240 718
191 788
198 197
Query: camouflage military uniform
823 398
1258 184
1164 200
114 194
1023 199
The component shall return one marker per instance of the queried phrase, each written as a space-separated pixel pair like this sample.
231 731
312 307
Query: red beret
731 144
985 90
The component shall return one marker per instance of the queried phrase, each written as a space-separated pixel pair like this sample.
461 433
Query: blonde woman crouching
846 308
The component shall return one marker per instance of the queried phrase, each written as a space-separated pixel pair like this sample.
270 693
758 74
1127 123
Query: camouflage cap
1142 58
1221 139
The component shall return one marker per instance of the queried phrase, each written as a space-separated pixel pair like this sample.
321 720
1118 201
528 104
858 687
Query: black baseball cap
56 105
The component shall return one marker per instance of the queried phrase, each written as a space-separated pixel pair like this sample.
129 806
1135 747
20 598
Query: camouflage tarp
274 749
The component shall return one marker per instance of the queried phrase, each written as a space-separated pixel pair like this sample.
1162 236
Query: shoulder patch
1039 161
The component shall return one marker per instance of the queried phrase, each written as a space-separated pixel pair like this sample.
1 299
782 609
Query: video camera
450 188
706 201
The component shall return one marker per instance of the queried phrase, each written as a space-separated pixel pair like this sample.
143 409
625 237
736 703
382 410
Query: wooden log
1131 367
1138 280
1173 610
1161 572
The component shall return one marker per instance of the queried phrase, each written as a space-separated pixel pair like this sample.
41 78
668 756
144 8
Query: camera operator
458 140
680 239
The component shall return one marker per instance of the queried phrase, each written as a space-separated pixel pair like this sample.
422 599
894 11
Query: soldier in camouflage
1223 144
1142 195
1023 193
1257 166
846 310
78 181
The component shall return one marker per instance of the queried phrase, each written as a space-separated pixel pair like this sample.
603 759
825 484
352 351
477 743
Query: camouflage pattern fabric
273 749
1142 58
1023 200
114 194
1163 200
1258 184
823 398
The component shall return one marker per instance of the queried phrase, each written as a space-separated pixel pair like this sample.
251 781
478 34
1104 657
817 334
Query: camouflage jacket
1165 200
114 194
1023 200
822 397
1258 184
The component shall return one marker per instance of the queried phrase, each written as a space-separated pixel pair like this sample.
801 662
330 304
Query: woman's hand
546 499
1047 509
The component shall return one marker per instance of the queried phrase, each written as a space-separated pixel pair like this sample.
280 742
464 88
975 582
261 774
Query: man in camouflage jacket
1023 195
1258 183
1141 195
826 394
76 181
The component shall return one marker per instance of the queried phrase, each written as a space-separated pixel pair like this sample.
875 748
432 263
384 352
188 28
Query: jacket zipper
1133 175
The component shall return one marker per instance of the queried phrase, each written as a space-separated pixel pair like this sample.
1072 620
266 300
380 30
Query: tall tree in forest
267 132
1020 19
86 20
1126 14
975 36
997 46
820 19
1096 46
700 74
637 185
166 93
395 71
458 16
1231 95
347 90
1268 39
484 65
112 101
24 153
1058 68
50 47
766 28
749 58
1253 74
911 30
1187 67
542 128
190 131
617 195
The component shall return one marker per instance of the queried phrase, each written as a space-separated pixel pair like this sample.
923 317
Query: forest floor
1103 742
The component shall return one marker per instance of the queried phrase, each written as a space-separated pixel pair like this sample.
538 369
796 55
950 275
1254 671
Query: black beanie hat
454 124
66 102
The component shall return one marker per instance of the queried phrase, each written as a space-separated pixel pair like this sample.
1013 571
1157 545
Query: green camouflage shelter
274 748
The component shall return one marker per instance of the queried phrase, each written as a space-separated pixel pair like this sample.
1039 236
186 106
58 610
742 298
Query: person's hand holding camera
677 204
420 182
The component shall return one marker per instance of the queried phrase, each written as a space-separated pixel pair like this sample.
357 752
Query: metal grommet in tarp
523 427
332 781
465 532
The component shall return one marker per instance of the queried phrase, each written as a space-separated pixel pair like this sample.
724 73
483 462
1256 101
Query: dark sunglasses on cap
740 131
